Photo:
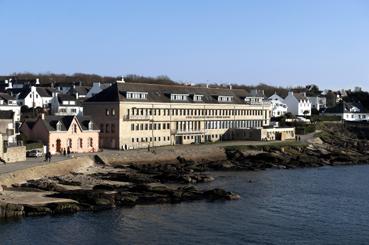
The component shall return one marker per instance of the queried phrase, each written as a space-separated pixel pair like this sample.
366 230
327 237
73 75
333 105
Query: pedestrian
68 151
49 156
299 138
64 152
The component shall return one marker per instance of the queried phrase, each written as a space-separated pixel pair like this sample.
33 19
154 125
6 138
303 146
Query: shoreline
167 175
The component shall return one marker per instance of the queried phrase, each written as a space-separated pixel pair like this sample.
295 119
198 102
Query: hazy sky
276 42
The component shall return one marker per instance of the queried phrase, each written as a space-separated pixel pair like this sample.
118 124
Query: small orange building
76 133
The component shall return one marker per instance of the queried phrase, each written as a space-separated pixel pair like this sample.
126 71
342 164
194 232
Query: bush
34 145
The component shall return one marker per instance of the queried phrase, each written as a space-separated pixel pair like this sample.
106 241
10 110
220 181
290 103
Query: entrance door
58 145
179 140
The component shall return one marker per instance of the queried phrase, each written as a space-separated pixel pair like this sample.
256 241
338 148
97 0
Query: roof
300 96
161 93
51 121
6 114
6 97
68 97
345 107
30 123
81 90
42 91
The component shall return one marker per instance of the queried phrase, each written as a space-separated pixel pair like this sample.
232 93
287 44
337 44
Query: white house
9 103
318 102
298 104
65 104
96 88
348 112
34 97
279 108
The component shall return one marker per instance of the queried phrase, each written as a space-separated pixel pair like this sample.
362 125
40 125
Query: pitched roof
81 90
42 91
50 122
161 93
6 97
345 107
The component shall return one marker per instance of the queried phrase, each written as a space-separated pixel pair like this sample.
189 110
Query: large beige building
132 115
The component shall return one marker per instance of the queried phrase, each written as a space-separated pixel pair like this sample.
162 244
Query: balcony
189 131
138 117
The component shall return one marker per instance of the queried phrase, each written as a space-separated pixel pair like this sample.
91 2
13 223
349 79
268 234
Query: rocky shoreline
107 185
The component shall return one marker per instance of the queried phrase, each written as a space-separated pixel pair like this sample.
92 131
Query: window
107 112
69 143
101 128
137 95
132 127
179 97
225 98
197 97
112 129
80 143
107 128
74 128
113 112
90 142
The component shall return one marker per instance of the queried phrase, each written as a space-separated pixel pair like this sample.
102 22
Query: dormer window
58 126
137 95
223 98
197 97
179 97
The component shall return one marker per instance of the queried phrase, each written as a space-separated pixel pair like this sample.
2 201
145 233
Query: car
34 153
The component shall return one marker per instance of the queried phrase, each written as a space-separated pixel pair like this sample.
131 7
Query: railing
137 117
190 131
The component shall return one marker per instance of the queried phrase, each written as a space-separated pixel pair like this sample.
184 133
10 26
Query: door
179 140
58 145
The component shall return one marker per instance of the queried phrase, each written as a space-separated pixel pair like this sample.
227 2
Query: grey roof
6 97
81 90
6 114
161 93
300 96
51 121
42 91
344 107
68 97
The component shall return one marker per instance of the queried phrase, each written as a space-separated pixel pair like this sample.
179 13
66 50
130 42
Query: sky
278 42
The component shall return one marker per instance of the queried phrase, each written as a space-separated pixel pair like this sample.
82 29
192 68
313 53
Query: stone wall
15 154
48 170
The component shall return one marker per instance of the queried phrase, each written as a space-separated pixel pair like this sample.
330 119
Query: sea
327 205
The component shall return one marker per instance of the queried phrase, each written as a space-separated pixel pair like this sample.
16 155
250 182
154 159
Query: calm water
327 205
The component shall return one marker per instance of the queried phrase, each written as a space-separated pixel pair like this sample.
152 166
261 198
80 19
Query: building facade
298 104
133 115
63 133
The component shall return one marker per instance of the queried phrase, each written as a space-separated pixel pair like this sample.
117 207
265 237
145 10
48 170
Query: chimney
37 81
230 86
207 85
121 81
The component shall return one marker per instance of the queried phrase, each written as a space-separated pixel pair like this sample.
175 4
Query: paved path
31 162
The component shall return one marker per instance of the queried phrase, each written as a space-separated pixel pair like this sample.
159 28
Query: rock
36 210
220 194
8 210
